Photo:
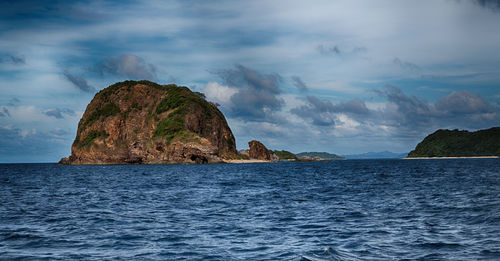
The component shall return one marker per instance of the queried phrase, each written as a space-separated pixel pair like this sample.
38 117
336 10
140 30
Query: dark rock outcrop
141 122
258 151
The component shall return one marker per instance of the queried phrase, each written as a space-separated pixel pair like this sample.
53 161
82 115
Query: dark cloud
257 98
328 49
463 102
355 106
405 64
4 112
54 113
243 77
359 49
317 118
12 59
129 66
405 115
336 50
59 113
454 104
34 14
58 132
457 110
406 104
299 84
79 82
322 112
14 101
489 4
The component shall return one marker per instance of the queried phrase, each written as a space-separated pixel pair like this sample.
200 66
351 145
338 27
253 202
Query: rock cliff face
144 122
260 152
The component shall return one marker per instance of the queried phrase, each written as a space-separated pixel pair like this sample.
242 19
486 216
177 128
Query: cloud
463 102
348 52
79 82
129 66
243 77
325 50
355 106
257 96
14 101
316 118
219 93
489 4
324 113
401 115
359 49
405 64
4 112
58 132
12 59
299 84
457 110
59 113
406 115
405 103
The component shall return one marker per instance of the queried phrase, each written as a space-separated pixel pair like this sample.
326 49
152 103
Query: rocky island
144 122
459 143
257 152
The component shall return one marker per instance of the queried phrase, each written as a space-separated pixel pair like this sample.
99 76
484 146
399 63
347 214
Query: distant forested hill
285 155
456 143
323 155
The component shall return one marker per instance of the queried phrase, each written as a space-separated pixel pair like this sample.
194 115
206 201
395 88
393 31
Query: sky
344 77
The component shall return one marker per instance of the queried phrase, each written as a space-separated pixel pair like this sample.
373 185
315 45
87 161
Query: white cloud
25 133
346 126
219 93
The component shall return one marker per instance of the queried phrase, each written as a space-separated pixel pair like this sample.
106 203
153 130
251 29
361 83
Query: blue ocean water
339 210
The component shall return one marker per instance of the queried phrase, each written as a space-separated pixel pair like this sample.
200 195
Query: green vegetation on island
285 155
459 143
322 155
305 156
89 139
182 101
107 110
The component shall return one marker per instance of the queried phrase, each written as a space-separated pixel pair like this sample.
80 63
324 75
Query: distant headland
459 144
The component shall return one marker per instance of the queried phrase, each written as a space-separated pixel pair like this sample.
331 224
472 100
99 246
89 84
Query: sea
432 209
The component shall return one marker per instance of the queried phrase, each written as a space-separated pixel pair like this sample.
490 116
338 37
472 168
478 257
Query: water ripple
340 210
